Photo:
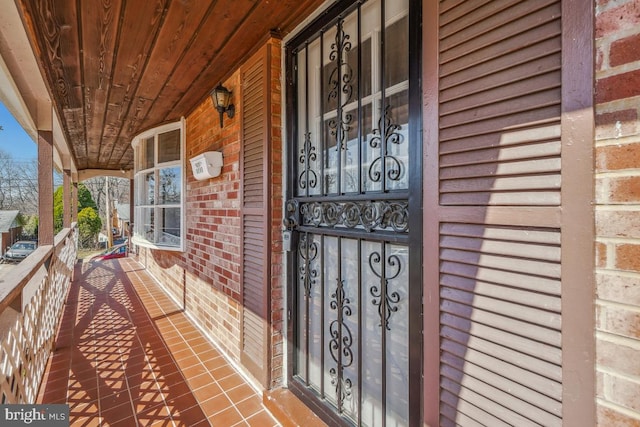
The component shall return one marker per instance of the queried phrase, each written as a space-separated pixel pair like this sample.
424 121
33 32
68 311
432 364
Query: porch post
131 208
45 187
74 202
67 199
108 213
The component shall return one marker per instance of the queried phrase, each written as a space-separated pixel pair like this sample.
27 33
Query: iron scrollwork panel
308 178
385 299
308 253
386 167
368 215
385 293
340 85
340 346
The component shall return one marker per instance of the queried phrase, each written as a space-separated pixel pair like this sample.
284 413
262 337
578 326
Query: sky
14 140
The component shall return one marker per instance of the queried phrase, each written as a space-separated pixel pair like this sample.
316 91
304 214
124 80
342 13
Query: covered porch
126 354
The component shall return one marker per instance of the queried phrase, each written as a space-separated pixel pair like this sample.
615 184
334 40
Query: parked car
118 251
19 251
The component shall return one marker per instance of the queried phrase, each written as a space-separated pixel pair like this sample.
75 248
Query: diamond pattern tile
126 355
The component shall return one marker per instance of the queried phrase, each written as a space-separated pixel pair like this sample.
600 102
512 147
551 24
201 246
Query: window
158 157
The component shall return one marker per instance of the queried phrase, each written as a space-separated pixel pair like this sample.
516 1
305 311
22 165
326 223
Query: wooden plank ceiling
118 67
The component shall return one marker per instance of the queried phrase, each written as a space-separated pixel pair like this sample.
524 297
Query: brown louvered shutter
499 219
255 216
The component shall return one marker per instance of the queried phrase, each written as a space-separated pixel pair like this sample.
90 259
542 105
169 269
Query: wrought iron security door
354 213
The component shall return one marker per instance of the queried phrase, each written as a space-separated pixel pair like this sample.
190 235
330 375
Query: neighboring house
121 219
10 229
425 215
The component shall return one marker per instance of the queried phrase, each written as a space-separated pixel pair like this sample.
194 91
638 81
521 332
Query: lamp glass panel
221 97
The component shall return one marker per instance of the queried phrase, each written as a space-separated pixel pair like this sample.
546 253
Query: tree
89 225
118 191
31 226
18 184
84 201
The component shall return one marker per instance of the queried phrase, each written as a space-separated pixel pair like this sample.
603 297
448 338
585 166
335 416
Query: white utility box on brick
206 165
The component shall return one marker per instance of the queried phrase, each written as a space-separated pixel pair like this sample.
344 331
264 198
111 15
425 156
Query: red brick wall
618 212
209 269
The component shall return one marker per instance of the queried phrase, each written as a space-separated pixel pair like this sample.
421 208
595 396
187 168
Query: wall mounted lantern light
221 97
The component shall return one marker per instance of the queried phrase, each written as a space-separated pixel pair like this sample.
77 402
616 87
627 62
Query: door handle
290 223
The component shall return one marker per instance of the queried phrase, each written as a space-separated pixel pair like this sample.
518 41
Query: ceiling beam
85 174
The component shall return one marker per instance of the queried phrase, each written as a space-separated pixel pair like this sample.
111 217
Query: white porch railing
25 348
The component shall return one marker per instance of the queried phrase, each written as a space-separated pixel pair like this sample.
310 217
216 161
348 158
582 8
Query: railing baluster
25 350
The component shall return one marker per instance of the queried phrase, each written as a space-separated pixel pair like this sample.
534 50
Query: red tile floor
126 355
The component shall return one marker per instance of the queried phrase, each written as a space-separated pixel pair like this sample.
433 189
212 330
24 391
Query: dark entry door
354 212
